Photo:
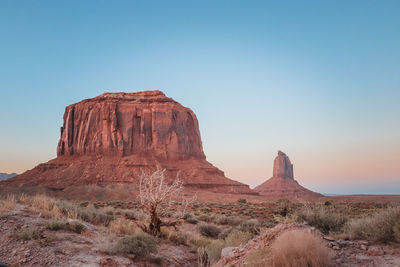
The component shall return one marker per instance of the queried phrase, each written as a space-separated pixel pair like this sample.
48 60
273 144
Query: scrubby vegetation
141 245
300 249
205 228
383 226
324 220
57 225
122 226
27 233
208 230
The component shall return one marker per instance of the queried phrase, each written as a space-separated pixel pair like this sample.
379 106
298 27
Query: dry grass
178 238
323 219
208 230
381 227
52 208
299 249
123 227
236 238
257 257
44 205
8 204
56 225
141 245
27 233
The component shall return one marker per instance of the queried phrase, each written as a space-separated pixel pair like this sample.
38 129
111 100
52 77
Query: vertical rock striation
283 167
146 123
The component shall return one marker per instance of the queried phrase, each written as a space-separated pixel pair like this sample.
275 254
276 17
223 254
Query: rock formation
282 183
109 139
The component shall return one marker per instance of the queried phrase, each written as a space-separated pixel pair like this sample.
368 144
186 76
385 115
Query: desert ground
216 230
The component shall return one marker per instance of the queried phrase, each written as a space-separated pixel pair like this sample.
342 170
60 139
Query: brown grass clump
256 258
44 205
299 249
178 238
57 225
208 230
123 227
8 204
236 238
381 227
323 219
141 245
27 233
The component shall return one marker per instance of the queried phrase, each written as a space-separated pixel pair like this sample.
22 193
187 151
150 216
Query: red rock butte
282 182
109 139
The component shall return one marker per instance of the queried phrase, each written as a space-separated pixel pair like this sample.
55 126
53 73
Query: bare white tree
155 195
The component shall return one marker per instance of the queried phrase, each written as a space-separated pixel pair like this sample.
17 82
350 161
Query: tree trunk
155 225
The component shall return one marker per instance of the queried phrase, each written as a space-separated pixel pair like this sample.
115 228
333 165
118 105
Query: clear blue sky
319 80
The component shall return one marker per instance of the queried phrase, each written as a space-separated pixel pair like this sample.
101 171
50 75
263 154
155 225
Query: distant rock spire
282 183
283 168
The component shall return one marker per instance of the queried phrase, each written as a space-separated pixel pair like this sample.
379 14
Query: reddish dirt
62 248
345 253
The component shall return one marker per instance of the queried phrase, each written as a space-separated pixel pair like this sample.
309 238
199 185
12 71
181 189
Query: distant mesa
282 183
109 139
4 176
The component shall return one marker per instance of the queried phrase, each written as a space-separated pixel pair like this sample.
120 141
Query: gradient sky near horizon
319 80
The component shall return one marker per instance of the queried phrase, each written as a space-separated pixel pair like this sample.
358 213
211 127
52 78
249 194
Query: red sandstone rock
146 123
282 183
109 139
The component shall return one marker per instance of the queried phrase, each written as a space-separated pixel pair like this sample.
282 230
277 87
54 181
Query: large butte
109 139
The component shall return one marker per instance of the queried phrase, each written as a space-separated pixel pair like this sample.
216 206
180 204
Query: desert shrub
190 218
223 220
380 227
202 257
187 215
27 233
207 218
234 220
242 201
198 241
328 203
300 249
8 203
87 214
251 226
322 219
192 221
123 227
108 210
209 230
140 245
228 220
258 257
76 227
57 225
44 205
224 233
235 238
214 250
177 238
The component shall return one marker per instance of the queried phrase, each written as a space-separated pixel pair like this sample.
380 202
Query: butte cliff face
123 124
282 183
111 138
